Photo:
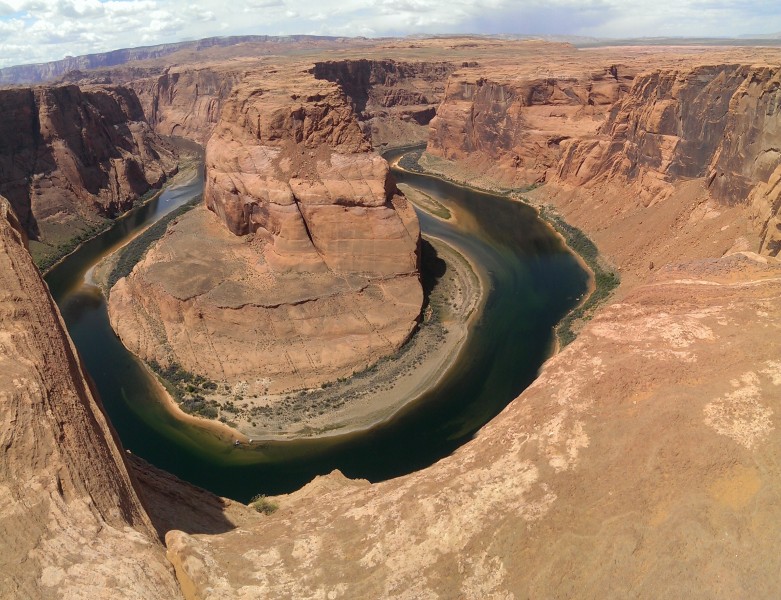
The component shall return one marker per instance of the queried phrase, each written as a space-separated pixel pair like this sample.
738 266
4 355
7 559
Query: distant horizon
39 31
593 41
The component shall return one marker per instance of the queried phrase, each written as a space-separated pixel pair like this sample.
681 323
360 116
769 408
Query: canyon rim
642 461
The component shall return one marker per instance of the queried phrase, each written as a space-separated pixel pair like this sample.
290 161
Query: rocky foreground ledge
71 523
642 463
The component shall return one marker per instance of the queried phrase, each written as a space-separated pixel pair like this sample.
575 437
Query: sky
43 30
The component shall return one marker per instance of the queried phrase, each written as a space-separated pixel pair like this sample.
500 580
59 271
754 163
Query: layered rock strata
711 122
70 156
306 268
513 130
71 523
394 100
604 130
185 102
641 463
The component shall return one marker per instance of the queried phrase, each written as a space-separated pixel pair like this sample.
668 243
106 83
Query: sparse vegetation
134 251
186 389
605 281
46 256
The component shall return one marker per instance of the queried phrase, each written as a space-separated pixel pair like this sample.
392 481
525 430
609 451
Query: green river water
532 282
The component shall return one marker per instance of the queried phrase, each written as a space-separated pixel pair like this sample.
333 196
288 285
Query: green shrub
263 505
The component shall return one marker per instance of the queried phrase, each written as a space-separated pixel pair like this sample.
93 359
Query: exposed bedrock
641 463
719 123
394 100
71 525
307 267
185 101
512 129
69 154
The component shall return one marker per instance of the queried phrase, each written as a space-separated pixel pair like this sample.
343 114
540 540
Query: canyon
641 462
72 157
313 265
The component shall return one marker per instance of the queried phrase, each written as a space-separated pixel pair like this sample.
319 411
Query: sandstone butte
306 268
643 462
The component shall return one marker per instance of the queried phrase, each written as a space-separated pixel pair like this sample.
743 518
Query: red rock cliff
393 100
68 153
71 524
292 165
185 101
512 129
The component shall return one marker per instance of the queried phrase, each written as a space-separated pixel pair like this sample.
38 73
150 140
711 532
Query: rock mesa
306 268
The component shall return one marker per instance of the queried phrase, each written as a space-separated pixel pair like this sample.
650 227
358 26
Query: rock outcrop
641 463
311 267
70 156
513 129
71 525
394 101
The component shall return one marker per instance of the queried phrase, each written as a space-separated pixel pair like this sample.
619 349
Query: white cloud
39 30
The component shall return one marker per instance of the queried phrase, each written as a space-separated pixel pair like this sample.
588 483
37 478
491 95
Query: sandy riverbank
98 274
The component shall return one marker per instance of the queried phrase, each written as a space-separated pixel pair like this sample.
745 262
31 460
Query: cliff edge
71 523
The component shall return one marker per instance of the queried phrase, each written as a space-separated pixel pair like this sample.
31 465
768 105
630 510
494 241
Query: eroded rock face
394 100
69 154
668 128
295 170
71 524
641 462
307 267
185 102
713 122
512 129
717 123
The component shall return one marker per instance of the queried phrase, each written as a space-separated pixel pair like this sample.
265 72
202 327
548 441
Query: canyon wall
71 156
310 268
513 130
71 524
185 102
394 100
646 135
713 122
669 127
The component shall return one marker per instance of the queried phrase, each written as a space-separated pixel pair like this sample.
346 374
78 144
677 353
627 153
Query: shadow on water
432 269
532 282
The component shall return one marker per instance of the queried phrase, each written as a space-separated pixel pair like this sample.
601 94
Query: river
533 280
